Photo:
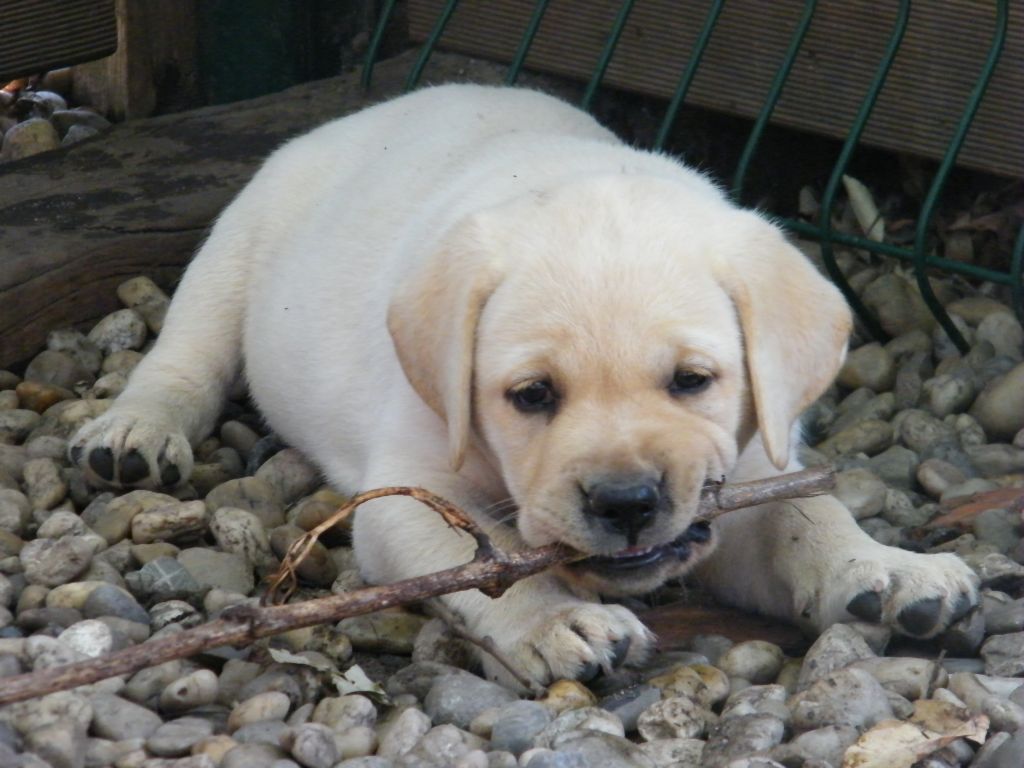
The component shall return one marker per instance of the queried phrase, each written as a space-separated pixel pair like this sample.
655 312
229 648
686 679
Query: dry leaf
864 209
282 656
896 744
354 680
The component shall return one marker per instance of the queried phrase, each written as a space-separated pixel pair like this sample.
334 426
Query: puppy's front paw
575 642
125 449
915 594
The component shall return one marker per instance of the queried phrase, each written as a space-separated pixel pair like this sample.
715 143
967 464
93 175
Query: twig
492 571
486 644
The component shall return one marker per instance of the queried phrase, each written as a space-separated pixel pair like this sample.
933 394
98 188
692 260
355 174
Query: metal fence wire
918 256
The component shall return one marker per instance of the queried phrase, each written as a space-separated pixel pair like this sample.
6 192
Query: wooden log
140 198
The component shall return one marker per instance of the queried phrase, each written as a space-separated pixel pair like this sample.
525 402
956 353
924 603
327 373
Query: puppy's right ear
432 319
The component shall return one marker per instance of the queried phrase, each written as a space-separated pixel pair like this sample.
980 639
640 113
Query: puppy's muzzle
624 506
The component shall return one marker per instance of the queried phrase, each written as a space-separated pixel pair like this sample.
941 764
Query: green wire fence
919 257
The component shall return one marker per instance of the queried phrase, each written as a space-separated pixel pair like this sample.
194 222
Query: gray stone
909 677
836 648
994 568
108 600
1004 332
62 745
261 732
120 330
457 699
176 737
880 407
270 705
900 511
674 753
61 707
629 703
27 138
897 305
15 510
827 744
755 660
964 637
604 749
999 408
916 341
517 725
17 424
387 631
861 491
78 346
240 532
91 638
403 733
869 366
967 488
52 562
118 719
568 724
44 485
223 570
169 522
870 437
312 745
998 527
442 745
948 393
910 377
758 700
1005 618
290 474
919 430
676 717
991 460
846 697
252 756
545 758
1004 655
936 475
177 612
738 737
251 494
61 523
896 466
194 690
162 579
342 713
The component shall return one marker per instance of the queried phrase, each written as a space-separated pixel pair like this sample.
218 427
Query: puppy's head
613 345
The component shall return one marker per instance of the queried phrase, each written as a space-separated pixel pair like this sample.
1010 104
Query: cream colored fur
389 277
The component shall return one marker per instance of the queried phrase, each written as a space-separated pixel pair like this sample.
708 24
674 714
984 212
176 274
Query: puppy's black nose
625 507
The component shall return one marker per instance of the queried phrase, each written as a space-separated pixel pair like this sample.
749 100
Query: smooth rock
241 532
1004 332
571 722
120 330
846 697
871 366
403 733
704 684
114 520
52 562
861 491
108 600
251 494
170 522
738 737
384 631
836 648
61 745
118 719
754 660
271 705
629 703
871 437
17 424
991 460
340 713
676 717
91 638
999 408
162 579
909 677
604 749
1004 655
177 737
312 745
196 689
896 466
936 475
223 570
27 138
948 393
290 474
674 753
457 699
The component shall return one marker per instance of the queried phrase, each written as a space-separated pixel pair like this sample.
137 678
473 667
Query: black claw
619 650
170 475
101 460
963 606
133 468
589 671
921 617
75 454
866 606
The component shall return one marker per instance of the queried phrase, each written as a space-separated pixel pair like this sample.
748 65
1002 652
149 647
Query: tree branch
492 571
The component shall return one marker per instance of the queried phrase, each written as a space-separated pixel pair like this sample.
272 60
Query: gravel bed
911 424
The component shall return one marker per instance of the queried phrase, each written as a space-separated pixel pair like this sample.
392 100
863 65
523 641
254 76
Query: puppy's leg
809 561
174 395
546 631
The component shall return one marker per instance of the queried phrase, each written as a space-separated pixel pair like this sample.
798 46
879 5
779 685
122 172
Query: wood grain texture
139 199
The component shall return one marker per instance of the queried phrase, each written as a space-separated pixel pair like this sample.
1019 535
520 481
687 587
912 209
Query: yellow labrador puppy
483 292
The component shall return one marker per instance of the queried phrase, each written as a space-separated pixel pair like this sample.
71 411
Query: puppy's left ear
795 327
432 319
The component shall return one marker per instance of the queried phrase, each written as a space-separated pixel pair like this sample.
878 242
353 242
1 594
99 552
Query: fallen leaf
282 656
354 680
896 744
864 209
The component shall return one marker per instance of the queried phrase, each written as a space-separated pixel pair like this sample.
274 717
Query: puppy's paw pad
915 594
577 643
123 449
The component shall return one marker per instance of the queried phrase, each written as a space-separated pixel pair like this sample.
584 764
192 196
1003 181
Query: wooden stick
492 571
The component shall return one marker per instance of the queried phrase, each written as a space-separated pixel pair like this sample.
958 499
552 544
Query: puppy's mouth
679 550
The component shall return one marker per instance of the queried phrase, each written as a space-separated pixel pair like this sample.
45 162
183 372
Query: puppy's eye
535 396
686 382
